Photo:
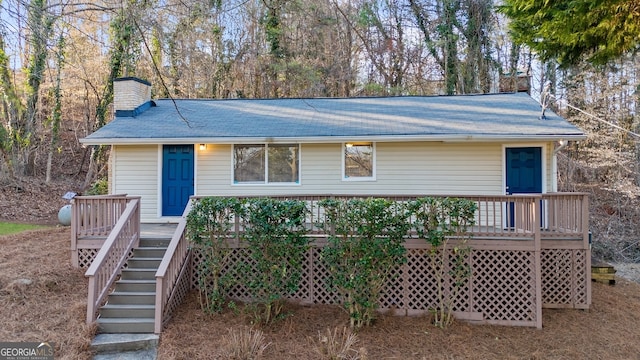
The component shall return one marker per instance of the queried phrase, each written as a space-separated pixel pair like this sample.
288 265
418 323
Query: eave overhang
335 139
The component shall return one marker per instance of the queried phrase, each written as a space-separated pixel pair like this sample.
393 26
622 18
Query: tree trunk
49 161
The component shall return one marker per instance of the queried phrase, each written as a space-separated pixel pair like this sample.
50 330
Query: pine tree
569 30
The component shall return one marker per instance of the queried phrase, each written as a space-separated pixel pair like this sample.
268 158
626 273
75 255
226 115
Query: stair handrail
171 269
113 254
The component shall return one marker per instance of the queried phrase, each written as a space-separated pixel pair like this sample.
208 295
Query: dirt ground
52 308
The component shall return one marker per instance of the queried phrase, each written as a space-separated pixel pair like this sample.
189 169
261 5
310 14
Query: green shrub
275 233
366 244
98 187
365 247
437 221
209 227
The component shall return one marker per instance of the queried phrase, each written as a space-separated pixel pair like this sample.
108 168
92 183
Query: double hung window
359 161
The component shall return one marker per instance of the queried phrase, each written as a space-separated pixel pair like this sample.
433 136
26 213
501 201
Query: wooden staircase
130 308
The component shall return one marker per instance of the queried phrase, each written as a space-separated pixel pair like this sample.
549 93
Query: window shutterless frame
266 164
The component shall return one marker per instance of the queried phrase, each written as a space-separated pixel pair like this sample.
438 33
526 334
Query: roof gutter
330 139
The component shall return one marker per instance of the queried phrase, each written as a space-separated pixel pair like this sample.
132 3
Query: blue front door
523 174
177 178
524 170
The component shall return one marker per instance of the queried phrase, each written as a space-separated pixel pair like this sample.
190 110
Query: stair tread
136 281
128 306
133 293
145 258
136 320
139 269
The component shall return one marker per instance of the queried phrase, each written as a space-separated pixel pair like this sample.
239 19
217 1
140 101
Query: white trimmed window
358 161
266 164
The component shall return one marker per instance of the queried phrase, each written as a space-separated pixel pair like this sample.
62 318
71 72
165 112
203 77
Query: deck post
157 328
587 244
75 262
91 306
537 201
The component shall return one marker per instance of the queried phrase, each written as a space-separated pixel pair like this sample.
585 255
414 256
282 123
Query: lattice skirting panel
501 290
181 288
503 286
311 289
565 278
85 257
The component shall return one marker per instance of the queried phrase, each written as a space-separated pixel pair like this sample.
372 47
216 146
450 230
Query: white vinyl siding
215 168
416 168
136 174
547 153
441 168
402 168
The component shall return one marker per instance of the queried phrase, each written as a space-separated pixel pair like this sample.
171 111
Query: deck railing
172 277
95 216
92 219
505 217
565 215
109 261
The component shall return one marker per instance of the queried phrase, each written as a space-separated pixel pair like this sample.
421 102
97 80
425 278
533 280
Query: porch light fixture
348 145
203 147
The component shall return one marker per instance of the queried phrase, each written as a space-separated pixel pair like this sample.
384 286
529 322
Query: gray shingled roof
467 117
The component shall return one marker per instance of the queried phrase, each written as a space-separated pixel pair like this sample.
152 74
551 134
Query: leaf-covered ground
53 308
42 298
607 331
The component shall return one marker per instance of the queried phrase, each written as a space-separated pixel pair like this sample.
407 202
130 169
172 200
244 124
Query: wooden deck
528 252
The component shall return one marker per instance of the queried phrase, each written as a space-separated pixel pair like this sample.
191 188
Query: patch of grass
7 228
337 345
245 344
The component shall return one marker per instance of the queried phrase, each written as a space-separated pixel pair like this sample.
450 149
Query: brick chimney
131 96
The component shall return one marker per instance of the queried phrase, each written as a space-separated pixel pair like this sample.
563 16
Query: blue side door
524 170
523 173
177 178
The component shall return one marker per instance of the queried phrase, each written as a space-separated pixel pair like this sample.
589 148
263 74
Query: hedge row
365 244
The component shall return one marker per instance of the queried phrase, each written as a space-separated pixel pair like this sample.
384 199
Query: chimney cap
133 78
131 96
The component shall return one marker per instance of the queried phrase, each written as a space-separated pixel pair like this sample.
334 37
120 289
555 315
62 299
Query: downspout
561 145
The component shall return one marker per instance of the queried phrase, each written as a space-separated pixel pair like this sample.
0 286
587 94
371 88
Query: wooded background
58 59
